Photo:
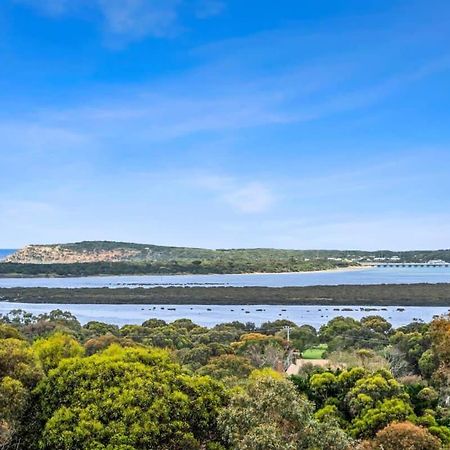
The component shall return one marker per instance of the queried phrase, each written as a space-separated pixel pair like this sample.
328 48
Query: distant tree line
219 266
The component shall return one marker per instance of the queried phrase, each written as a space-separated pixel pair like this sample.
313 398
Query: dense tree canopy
127 399
178 385
405 435
270 416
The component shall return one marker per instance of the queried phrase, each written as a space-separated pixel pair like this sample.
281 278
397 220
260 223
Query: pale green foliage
228 368
322 384
13 396
8 331
18 361
368 391
384 413
52 350
13 399
428 363
133 399
367 359
19 372
270 415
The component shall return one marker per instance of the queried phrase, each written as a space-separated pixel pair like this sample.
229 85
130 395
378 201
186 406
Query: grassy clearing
315 352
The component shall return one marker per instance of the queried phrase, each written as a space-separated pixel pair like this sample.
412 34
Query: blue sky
226 123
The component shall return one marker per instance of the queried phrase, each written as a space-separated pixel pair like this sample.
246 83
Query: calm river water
213 314
210 315
376 275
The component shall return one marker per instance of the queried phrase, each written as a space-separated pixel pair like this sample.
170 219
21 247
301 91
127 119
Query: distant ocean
4 252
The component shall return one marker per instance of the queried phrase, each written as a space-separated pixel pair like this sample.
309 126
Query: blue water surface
375 275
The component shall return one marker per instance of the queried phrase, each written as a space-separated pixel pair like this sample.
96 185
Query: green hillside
122 258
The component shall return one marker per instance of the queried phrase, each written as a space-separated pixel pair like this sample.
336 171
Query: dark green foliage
276 326
343 333
99 328
304 337
358 295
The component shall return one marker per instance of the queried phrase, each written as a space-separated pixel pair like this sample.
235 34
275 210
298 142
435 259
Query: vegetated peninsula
121 258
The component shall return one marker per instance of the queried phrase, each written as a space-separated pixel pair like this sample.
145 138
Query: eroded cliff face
58 254
105 251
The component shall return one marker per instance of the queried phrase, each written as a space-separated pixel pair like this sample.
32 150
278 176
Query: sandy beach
337 269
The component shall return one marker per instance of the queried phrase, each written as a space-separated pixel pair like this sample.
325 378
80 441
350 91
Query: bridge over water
400 264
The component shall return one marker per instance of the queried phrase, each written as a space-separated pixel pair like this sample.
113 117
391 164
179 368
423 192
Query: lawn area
315 352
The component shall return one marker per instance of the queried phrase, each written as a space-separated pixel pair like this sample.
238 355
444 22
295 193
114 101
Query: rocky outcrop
60 254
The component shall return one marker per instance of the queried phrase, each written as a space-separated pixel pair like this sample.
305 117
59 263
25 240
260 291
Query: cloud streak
209 8
227 92
247 197
251 198
309 134
136 19
169 115
128 20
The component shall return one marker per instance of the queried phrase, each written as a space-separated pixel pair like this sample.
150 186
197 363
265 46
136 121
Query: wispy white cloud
128 20
251 198
31 136
270 84
15 210
195 102
371 232
248 197
233 85
52 7
208 8
25 217
139 18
